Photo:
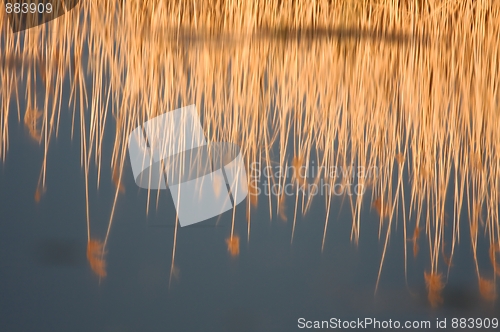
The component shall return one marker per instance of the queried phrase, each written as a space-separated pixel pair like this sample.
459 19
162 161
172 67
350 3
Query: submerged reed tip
38 195
487 289
434 285
117 181
95 256
383 209
400 158
233 245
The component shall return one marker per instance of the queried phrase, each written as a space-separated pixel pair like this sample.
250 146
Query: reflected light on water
341 84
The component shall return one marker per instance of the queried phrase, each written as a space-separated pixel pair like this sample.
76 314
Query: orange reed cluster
95 256
434 284
233 245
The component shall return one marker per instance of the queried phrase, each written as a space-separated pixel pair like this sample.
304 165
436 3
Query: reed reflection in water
411 90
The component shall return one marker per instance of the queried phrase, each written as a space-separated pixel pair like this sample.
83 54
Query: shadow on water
300 34
58 252
343 33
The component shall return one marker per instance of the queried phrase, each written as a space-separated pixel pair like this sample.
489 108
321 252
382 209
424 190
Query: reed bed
404 87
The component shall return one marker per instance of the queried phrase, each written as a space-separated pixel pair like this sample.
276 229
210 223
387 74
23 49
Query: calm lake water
48 285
